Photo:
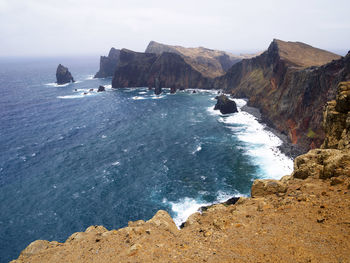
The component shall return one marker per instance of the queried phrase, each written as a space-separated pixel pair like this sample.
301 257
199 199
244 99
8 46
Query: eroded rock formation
63 75
225 105
108 64
289 83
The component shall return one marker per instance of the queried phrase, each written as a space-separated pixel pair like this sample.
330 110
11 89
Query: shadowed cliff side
290 85
108 64
303 217
137 69
133 69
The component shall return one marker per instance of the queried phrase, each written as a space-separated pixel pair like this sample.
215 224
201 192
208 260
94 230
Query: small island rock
63 75
225 105
101 88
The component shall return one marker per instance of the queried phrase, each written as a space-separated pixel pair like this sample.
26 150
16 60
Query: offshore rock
108 64
101 88
290 83
225 105
63 75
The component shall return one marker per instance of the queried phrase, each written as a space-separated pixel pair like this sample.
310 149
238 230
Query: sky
89 27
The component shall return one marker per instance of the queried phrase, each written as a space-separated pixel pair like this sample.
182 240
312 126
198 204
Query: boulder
63 75
225 105
101 88
267 187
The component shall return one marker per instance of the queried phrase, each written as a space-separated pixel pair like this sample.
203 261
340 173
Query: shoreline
287 148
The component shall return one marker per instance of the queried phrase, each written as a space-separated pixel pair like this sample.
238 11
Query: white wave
138 98
78 96
199 147
90 77
262 145
213 112
143 92
155 97
54 84
116 163
103 136
186 206
109 87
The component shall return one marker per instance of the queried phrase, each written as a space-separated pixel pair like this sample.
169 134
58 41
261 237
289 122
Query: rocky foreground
304 217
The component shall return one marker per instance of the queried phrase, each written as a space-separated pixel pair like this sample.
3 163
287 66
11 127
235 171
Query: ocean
70 160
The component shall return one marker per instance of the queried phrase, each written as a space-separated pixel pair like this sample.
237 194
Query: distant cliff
108 64
137 69
211 63
289 83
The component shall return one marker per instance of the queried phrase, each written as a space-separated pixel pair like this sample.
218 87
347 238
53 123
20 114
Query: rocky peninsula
303 217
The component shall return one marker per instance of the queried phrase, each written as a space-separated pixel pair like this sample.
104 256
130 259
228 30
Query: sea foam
261 144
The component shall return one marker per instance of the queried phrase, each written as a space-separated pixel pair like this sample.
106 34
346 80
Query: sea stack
158 88
63 75
225 105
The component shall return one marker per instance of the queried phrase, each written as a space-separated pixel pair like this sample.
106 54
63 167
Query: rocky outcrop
108 64
210 63
336 119
137 69
101 89
289 83
225 105
63 75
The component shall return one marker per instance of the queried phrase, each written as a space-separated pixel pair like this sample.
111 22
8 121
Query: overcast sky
66 27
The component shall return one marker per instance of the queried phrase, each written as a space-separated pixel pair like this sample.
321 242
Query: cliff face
108 64
290 86
133 69
210 63
141 69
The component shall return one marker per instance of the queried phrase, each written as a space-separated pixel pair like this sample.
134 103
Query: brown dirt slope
302 55
304 217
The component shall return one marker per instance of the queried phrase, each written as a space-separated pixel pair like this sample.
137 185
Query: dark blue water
70 160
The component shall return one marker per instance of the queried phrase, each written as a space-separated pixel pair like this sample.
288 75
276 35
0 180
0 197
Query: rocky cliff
133 69
289 83
210 63
304 217
108 64
137 69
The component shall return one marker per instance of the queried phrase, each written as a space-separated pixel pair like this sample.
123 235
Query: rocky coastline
303 217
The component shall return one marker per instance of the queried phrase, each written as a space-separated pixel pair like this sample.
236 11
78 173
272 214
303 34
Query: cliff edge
303 217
